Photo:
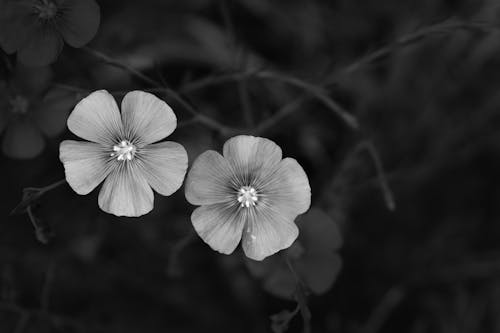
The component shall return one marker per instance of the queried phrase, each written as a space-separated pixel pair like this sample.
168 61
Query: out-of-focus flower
123 151
37 29
313 256
250 194
29 110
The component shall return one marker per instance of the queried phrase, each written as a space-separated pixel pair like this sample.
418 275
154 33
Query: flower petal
23 140
86 164
126 192
267 231
287 189
248 155
164 165
31 82
79 21
275 275
318 232
319 271
97 118
209 180
16 25
146 118
41 48
219 225
52 114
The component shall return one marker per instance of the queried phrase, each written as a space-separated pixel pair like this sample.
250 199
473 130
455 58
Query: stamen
46 10
247 196
124 151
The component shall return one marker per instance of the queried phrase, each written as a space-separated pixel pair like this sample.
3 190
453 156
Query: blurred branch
55 320
31 195
174 269
300 296
22 323
384 309
312 89
382 179
283 112
46 287
446 27
112 62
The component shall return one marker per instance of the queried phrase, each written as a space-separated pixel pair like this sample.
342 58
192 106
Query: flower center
46 10
19 105
247 196
124 151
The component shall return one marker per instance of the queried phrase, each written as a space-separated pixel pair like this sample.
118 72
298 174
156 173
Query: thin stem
52 186
245 102
22 323
301 297
382 179
283 112
112 62
384 309
315 91
446 27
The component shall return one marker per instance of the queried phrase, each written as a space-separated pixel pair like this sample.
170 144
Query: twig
283 112
46 288
315 91
22 323
55 320
301 297
446 27
383 310
112 62
211 123
382 179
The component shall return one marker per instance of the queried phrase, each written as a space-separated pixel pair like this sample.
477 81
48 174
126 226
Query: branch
443 28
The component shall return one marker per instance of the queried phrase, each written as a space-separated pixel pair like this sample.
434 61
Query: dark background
430 107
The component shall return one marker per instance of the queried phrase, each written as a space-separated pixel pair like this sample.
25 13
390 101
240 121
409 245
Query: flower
313 256
122 151
30 110
36 29
249 193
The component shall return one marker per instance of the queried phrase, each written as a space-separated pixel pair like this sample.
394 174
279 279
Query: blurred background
422 79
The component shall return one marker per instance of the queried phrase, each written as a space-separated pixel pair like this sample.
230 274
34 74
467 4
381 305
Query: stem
283 112
52 186
301 297
446 27
112 62
211 123
315 91
382 179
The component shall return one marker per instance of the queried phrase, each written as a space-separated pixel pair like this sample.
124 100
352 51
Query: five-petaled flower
250 194
313 256
123 151
30 110
36 29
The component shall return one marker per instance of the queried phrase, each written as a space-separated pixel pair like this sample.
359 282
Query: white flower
249 193
122 152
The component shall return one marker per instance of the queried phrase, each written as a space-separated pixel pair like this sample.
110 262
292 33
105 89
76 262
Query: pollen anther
247 196
124 151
